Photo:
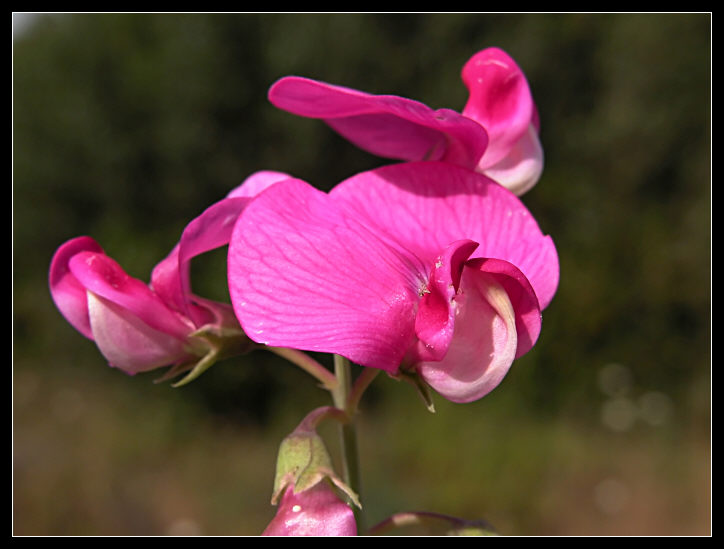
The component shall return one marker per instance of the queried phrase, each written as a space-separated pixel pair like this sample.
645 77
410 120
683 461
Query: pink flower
140 327
496 134
317 511
423 266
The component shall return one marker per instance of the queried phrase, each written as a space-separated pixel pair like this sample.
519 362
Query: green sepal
303 460
422 388
211 343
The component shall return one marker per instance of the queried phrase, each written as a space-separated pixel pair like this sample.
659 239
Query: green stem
350 457
308 364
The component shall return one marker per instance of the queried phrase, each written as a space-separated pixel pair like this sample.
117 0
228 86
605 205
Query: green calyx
211 343
303 460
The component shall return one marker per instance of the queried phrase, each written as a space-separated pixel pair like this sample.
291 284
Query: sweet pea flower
496 134
315 512
421 267
140 327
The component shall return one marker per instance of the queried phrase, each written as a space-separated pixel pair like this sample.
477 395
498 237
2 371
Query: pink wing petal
500 100
314 512
385 125
101 275
427 205
304 274
483 346
67 292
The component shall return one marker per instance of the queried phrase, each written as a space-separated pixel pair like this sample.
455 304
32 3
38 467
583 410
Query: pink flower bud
317 511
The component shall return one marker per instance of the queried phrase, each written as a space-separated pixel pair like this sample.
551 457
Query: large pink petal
128 343
101 275
484 343
67 292
314 512
500 100
304 274
385 125
427 205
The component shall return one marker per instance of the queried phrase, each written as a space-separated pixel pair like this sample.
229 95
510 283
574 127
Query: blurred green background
126 126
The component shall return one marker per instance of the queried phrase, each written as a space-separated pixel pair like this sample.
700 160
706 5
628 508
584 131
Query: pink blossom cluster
429 266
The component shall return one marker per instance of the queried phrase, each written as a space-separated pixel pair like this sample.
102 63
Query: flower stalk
308 364
341 397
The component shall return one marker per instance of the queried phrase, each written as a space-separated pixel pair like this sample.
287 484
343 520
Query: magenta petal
500 100
101 275
484 343
385 125
67 292
427 205
314 512
304 274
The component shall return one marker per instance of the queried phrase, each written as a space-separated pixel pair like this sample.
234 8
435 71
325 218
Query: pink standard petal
67 292
483 346
427 205
500 100
304 274
385 125
314 512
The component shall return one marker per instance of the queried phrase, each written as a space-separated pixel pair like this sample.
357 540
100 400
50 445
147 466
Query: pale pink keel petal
500 100
483 346
520 170
385 125
305 274
67 292
427 205
128 343
314 512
